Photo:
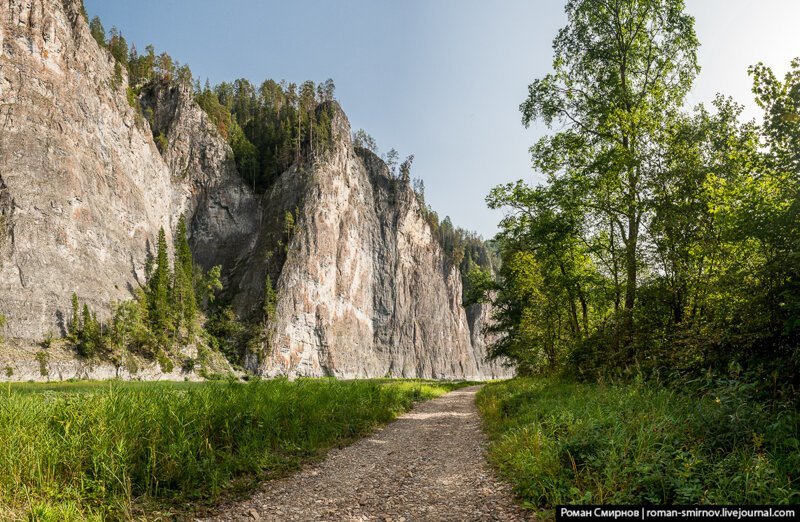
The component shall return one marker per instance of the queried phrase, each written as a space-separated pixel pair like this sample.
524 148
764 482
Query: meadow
112 451
560 442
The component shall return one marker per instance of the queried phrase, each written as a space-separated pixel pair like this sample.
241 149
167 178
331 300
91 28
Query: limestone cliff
366 289
363 287
83 186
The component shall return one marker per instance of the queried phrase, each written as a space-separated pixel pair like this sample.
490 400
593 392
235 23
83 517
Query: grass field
565 443
109 451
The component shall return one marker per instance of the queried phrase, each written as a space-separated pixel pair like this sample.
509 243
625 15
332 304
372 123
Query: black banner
655 513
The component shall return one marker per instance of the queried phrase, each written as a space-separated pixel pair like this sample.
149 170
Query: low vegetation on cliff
97 451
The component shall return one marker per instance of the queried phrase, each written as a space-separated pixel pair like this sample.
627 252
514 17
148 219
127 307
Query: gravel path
427 465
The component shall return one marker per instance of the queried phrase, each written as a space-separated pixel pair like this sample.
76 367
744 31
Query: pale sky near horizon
440 79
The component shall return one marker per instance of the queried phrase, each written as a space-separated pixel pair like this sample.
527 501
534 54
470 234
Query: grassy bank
566 443
101 451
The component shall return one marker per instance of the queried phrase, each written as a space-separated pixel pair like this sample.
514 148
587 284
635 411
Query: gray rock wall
83 186
364 288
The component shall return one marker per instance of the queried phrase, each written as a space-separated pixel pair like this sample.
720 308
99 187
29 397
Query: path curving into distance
429 464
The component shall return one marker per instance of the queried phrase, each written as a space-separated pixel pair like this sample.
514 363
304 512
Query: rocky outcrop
364 289
83 186
223 211
479 318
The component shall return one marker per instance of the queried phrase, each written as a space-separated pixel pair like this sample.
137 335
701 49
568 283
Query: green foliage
47 343
183 292
463 249
363 140
162 142
288 227
664 241
217 113
770 212
98 31
272 127
565 443
245 154
207 285
3 323
89 335
159 309
129 328
228 334
75 321
106 451
116 80
85 333
270 300
142 67
269 128
43 358
478 285
118 47
164 312
164 361
133 98
622 69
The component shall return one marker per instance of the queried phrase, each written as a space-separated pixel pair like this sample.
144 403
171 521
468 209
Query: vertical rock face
83 188
222 212
364 290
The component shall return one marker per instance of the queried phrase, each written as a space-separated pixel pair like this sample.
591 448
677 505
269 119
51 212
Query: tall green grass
566 443
98 452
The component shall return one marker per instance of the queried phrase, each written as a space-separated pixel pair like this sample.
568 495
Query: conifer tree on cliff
184 298
159 290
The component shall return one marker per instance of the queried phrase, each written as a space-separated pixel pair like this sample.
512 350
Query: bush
43 358
162 142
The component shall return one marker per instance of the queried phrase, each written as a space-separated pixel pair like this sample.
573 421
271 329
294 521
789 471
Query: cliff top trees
362 139
270 127
98 31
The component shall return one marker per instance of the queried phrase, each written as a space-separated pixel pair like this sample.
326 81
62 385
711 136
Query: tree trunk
615 267
630 263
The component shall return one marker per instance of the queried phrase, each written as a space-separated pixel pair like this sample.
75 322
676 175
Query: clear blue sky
442 79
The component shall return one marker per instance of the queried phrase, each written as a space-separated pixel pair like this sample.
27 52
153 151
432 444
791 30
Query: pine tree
75 322
184 297
98 31
288 226
159 305
89 333
270 300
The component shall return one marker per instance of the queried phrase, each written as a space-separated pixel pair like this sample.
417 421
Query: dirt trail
427 465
